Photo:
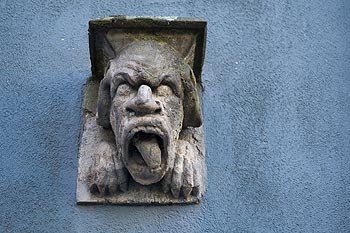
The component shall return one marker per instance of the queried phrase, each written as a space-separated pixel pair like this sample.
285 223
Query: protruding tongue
150 151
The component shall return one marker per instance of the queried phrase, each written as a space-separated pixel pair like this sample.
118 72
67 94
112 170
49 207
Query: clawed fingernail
102 190
186 191
175 192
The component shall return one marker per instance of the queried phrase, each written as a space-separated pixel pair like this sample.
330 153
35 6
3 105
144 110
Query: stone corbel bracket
142 140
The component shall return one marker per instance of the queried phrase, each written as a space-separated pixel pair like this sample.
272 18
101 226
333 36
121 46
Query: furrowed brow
124 75
174 83
118 79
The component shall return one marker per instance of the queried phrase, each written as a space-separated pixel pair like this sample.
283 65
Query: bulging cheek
174 108
112 119
115 118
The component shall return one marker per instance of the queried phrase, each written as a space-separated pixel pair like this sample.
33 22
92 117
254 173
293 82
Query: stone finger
101 181
113 184
196 181
166 182
102 189
122 179
187 178
91 181
177 177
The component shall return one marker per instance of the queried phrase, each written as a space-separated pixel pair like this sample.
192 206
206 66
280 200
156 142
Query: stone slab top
158 27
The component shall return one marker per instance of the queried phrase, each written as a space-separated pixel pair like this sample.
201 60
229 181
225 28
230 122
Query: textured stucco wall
276 110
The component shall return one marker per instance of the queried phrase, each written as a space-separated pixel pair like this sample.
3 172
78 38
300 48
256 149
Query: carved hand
183 179
106 175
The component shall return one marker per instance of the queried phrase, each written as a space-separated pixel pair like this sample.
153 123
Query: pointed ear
109 51
101 54
117 40
192 107
183 43
189 55
104 103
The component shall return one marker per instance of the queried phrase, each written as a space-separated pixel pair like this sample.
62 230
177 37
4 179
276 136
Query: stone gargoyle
150 126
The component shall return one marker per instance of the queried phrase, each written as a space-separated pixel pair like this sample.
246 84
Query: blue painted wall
276 108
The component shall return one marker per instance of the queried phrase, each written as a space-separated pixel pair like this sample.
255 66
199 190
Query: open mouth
145 154
146 150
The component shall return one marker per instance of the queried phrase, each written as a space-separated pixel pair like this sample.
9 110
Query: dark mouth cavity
146 150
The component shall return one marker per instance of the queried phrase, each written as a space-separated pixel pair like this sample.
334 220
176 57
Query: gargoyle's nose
143 102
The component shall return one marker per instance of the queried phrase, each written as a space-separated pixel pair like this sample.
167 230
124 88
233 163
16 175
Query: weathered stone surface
144 144
95 140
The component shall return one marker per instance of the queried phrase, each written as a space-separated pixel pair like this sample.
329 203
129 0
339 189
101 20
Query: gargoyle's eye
124 89
164 91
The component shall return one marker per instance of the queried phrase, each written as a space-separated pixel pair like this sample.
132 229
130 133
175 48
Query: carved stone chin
144 144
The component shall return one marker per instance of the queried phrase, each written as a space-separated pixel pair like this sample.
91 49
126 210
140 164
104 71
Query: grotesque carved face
146 111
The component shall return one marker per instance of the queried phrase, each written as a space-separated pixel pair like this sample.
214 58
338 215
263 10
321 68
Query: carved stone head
145 143
143 96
